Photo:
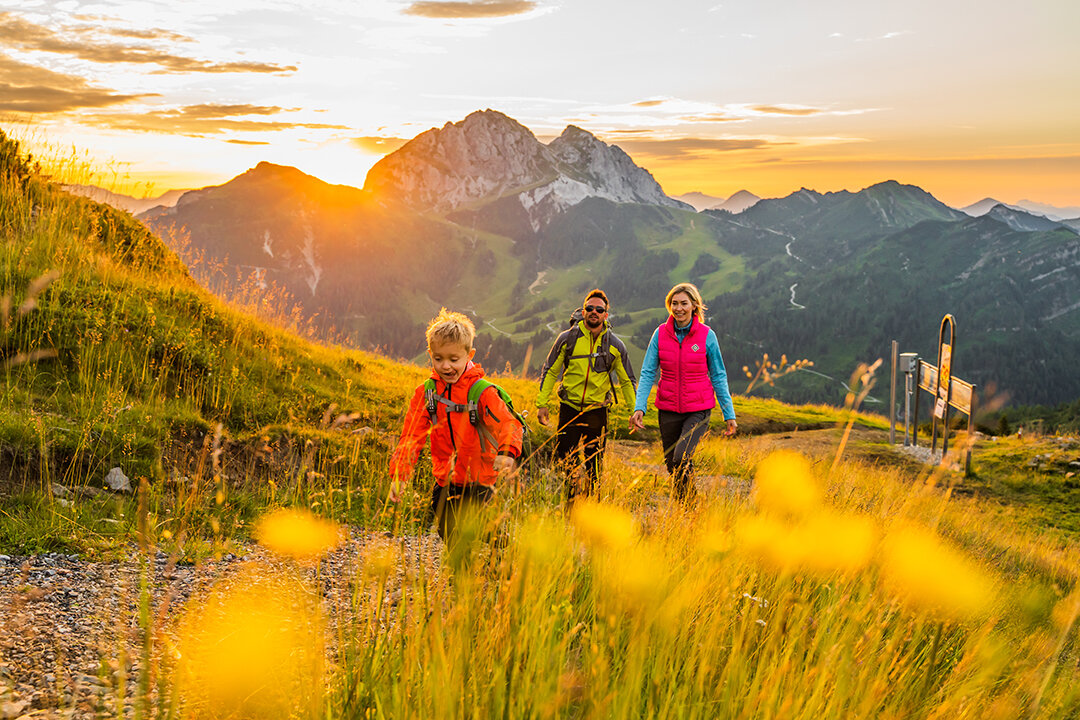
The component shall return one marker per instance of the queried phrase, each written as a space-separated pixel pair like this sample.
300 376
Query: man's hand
732 428
637 421
542 415
396 488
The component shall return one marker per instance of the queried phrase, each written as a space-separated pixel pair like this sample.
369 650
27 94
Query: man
587 362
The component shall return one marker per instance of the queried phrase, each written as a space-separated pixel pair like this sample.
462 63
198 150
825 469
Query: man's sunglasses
599 309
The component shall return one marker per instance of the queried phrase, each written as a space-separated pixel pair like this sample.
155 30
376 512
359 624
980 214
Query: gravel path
69 635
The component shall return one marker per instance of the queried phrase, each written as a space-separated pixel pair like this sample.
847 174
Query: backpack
603 360
472 406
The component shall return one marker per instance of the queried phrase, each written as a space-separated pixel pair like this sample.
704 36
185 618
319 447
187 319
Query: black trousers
680 434
580 441
449 502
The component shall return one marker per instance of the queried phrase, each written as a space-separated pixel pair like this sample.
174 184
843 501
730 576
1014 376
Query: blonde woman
692 379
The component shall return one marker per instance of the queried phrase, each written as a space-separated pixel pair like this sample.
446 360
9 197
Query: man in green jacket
591 367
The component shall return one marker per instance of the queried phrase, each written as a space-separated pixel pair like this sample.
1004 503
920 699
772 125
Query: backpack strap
563 345
433 399
473 406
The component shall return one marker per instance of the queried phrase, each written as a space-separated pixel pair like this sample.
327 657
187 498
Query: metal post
971 430
907 407
892 395
915 414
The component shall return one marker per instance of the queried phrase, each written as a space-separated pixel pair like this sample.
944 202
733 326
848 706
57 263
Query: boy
464 463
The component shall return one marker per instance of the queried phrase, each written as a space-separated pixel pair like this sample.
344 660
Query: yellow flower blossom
784 484
298 534
253 648
823 543
926 574
603 526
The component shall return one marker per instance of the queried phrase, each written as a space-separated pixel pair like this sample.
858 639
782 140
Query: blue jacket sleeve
717 374
647 376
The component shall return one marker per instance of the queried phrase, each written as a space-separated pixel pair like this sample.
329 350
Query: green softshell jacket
585 387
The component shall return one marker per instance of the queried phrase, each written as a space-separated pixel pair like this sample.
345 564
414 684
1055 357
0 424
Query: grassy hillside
113 357
842 581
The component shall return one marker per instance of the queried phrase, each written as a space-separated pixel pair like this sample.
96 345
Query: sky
965 99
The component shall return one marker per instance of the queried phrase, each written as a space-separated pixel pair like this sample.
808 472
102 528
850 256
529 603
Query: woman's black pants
680 434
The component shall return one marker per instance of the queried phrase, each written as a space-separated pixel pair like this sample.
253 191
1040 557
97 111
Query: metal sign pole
892 396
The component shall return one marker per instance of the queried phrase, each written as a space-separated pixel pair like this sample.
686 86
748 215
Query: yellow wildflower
784 484
603 526
926 574
254 648
298 534
824 543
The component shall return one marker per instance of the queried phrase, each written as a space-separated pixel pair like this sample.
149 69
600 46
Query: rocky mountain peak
489 155
485 155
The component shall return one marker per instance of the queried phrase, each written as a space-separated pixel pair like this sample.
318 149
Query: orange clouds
30 89
17 32
465 10
792 110
205 119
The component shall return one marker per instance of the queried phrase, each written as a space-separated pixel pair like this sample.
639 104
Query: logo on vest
694 347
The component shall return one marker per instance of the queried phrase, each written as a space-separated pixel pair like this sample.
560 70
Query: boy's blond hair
691 291
450 327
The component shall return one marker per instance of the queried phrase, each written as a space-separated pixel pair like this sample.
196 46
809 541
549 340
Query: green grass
646 608
1033 476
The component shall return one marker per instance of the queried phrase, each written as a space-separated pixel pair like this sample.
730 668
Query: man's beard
593 322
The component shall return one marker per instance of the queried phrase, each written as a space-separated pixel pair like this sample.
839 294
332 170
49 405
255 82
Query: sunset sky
965 99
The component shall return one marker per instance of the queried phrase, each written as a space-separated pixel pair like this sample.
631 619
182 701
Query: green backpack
472 406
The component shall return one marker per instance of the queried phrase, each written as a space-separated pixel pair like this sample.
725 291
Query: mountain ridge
377 267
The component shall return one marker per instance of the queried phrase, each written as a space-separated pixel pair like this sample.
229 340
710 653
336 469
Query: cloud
203 120
248 142
19 33
28 88
694 147
99 26
648 103
469 9
378 145
793 110
211 110
716 117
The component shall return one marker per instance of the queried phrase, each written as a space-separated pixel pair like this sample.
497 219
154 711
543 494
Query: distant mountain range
738 202
120 201
481 216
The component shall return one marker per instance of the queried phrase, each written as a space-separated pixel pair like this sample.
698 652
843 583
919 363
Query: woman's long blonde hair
695 299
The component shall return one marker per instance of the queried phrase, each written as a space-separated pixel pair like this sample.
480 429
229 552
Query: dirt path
69 633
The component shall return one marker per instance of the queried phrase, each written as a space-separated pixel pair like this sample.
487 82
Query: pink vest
684 384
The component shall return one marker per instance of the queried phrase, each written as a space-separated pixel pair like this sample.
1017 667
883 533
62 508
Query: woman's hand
732 428
637 421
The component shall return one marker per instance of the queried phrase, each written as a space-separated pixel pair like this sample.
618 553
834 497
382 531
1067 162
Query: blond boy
465 467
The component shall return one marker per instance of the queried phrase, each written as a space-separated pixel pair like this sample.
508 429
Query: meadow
812 577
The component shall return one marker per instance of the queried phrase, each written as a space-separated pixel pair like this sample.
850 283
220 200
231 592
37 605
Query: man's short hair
450 327
597 293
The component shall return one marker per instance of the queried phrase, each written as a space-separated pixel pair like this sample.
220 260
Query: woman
692 379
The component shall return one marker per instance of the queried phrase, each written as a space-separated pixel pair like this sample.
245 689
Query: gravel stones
69 630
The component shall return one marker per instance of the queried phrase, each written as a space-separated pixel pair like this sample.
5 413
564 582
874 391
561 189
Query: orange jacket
456 451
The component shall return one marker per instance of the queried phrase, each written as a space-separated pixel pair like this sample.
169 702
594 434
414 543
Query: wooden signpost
946 389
